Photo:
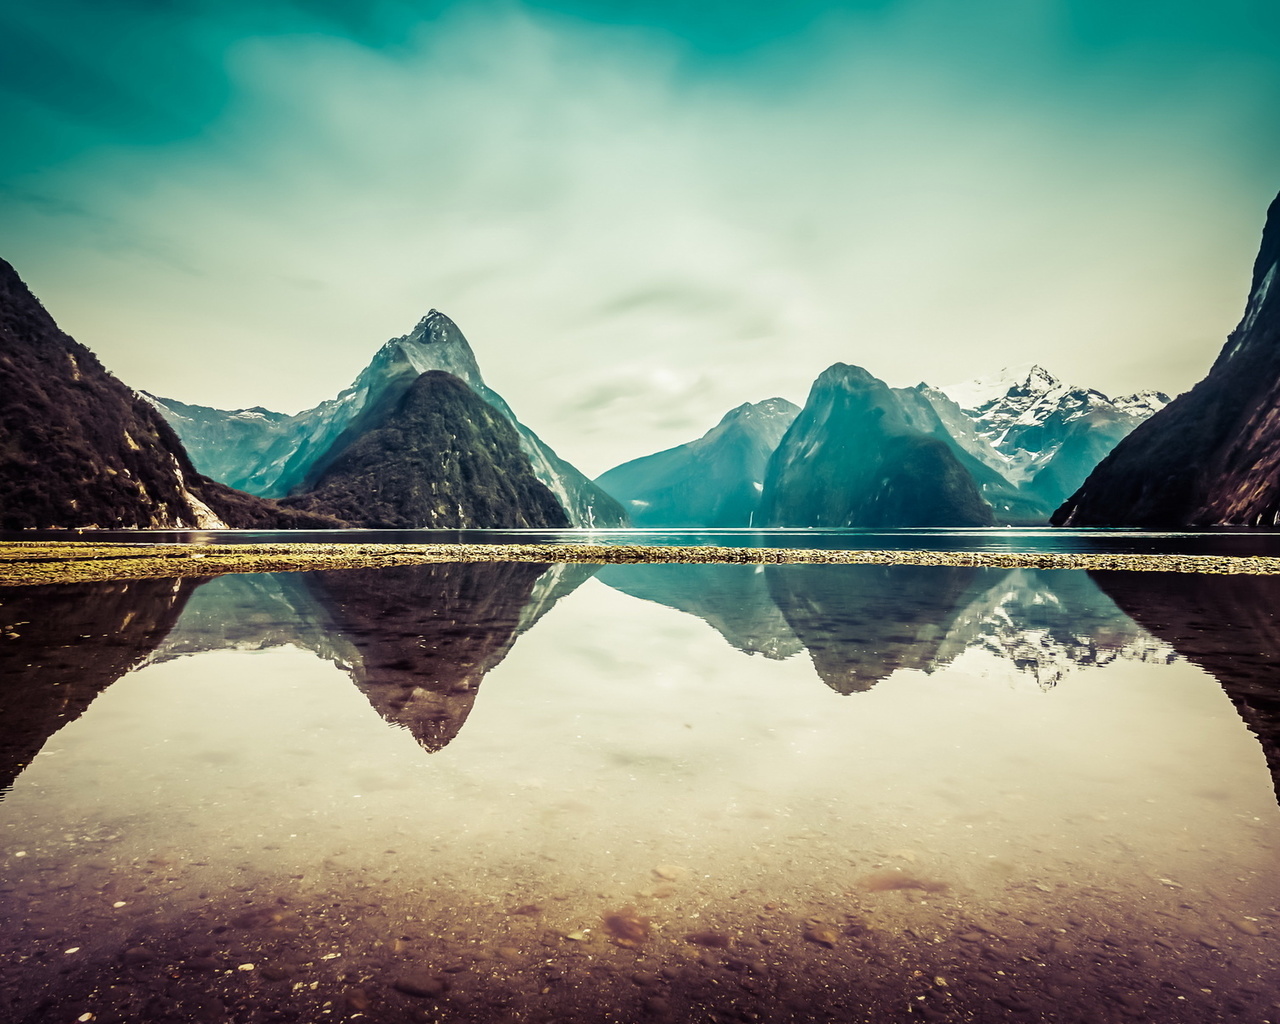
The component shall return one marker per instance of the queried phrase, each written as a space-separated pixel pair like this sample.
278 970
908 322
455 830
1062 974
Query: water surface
485 792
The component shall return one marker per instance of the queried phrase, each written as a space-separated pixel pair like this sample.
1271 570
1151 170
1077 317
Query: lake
521 792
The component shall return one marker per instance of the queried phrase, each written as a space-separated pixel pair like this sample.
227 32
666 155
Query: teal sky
645 213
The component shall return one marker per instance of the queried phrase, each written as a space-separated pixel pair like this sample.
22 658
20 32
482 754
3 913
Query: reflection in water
426 635
861 623
1228 625
416 640
62 646
734 600
861 627
1013 806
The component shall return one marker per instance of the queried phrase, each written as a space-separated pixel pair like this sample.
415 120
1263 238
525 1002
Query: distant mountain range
1001 450
715 481
420 440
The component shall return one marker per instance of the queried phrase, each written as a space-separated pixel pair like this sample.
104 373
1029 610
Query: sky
641 213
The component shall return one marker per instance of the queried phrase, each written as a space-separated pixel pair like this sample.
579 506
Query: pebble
822 935
426 985
715 940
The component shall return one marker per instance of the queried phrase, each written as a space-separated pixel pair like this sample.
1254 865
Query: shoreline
34 563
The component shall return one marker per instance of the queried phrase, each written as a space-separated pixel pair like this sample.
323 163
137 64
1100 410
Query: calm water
664 793
1220 541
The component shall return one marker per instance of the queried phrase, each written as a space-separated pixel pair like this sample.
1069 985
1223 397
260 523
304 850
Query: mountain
80 449
274 454
435 456
1212 456
858 455
715 481
1042 435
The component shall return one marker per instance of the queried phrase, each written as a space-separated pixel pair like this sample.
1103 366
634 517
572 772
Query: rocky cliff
80 449
1212 456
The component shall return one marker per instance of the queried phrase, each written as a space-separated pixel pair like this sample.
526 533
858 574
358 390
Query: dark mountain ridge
1212 456
274 454
79 449
434 456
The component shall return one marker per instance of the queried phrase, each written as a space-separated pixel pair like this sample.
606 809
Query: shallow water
652 792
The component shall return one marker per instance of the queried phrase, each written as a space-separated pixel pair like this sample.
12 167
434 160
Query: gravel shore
26 563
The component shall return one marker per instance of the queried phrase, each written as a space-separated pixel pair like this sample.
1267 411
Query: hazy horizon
640 218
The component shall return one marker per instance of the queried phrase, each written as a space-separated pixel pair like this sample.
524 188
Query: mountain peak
435 329
1023 377
847 375
770 408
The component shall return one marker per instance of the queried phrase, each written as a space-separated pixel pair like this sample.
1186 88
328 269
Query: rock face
858 456
715 481
1212 457
79 449
436 456
273 454
1040 434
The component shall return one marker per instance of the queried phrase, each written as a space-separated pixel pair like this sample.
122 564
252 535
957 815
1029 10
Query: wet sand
27 563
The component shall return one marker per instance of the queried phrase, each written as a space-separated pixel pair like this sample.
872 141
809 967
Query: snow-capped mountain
1040 433
273 454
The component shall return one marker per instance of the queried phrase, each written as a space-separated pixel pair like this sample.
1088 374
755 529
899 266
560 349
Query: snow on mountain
1048 434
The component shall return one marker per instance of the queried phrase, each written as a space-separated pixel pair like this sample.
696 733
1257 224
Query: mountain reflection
734 600
426 635
64 645
861 623
1225 624
416 640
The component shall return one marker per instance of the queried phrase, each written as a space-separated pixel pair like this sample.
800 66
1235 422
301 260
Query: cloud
635 241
